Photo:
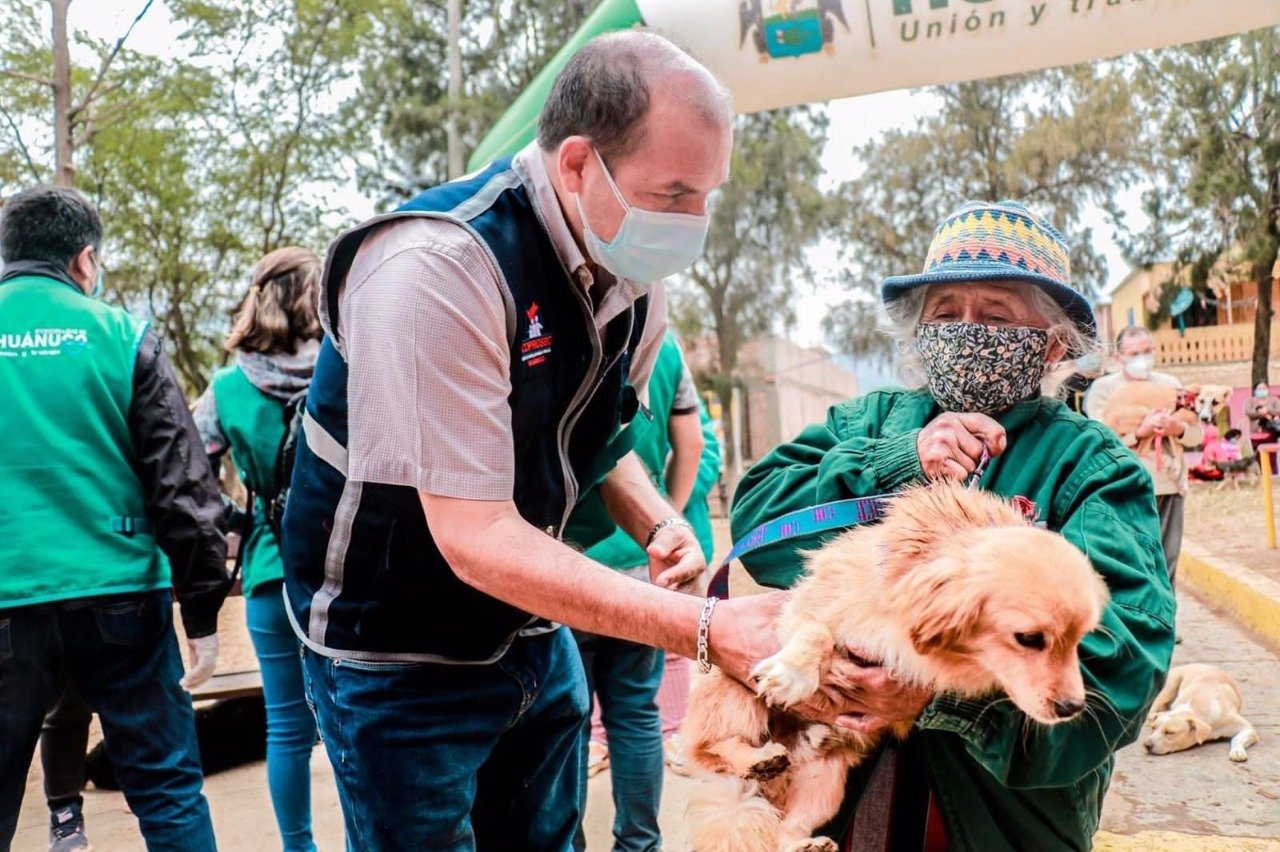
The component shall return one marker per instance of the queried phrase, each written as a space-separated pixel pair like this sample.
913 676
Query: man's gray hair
603 91
900 318
1132 331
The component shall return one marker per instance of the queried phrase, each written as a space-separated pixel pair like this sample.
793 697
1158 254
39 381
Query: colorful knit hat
1001 240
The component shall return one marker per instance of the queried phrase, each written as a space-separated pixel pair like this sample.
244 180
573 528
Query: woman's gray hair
899 319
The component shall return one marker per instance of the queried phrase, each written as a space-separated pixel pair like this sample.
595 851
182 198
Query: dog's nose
1147 745
1065 708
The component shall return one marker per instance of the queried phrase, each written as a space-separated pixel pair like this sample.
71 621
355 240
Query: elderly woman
989 318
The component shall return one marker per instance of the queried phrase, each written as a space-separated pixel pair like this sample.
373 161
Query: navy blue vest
364 578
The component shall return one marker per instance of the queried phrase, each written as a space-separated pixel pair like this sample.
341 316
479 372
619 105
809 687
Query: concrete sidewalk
1251 597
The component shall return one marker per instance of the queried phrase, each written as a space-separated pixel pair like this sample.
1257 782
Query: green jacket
1001 786
75 522
254 425
621 551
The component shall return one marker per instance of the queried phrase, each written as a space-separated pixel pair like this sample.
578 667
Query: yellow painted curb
1168 841
1253 599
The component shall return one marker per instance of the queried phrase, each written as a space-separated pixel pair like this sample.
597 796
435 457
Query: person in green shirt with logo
680 453
245 409
980 329
110 507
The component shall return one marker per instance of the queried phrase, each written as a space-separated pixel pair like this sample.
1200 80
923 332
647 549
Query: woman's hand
855 695
951 445
864 698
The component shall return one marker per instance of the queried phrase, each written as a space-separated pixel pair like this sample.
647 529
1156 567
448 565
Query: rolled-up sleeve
424 327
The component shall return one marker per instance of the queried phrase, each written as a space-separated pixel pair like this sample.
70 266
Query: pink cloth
673 694
673 699
1220 451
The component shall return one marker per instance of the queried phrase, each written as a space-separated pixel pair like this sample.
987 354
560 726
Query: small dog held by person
946 593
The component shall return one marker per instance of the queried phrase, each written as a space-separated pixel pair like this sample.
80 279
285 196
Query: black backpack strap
275 503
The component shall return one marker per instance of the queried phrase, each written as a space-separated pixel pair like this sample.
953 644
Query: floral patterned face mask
982 368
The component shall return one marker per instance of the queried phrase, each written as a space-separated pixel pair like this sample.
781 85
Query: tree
405 95
1212 123
1058 141
199 165
762 224
37 70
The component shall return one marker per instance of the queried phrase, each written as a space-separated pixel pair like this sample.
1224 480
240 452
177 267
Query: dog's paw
1238 755
781 684
814 844
773 761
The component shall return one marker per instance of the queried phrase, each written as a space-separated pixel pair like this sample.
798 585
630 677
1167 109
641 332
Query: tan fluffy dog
954 591
1129 405
1199 703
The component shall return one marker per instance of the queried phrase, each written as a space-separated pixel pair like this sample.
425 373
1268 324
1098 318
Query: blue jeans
625 677
291 729
464 758
123 655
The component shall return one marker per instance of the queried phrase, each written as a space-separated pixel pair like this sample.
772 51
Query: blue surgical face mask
1262 393
649 245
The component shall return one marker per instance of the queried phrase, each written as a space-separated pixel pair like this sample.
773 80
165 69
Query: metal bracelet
673 521
704 631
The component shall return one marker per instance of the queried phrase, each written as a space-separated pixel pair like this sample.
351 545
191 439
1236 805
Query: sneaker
597 758
66 831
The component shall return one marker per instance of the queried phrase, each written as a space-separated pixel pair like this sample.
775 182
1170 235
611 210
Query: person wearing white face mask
1136 350
462 446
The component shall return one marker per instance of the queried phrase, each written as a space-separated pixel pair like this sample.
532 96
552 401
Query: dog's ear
944 605
1202 730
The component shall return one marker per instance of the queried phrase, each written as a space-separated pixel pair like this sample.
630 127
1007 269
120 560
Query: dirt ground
1230 523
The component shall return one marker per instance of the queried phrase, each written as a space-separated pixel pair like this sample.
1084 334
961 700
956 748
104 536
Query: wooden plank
229 685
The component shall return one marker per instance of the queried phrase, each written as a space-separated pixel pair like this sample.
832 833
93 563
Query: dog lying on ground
1199 703
954 591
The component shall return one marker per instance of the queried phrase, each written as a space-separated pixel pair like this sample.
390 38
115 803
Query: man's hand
951 445
203 653
864 698
676 560
742 633
1154 423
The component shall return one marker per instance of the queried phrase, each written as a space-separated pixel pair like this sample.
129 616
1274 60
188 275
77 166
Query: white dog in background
1199 703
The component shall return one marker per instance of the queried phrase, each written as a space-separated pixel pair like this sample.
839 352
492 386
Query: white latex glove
203 653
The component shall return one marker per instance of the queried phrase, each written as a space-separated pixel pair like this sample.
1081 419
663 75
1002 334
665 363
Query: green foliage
199 165
763 221
1058 141
404 100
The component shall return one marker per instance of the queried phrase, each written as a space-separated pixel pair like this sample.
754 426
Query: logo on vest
43 342
536 346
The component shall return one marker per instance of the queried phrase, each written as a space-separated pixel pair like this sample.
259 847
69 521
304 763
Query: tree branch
22 146
106 64
30 78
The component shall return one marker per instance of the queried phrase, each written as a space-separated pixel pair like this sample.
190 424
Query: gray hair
899 319
603 91
1132 331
